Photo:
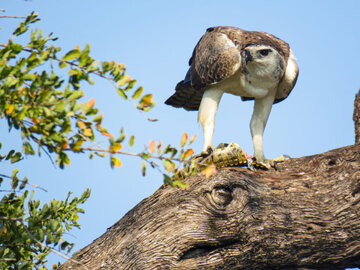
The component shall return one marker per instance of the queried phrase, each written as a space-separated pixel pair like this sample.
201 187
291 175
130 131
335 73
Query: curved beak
248 56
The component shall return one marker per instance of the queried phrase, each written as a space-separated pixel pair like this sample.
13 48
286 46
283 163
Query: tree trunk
304 215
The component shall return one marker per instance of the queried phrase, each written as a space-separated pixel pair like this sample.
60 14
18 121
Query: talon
202 156
261 165
269 163
209 150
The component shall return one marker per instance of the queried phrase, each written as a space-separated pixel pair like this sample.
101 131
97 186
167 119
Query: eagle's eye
264 52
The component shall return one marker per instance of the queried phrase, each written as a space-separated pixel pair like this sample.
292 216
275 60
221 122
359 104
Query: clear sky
155 40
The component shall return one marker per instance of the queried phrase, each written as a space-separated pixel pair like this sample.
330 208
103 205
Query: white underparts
207 113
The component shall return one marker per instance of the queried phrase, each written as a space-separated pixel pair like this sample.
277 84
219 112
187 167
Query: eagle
251 64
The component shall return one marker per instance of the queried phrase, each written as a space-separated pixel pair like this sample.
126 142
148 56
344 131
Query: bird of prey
253 65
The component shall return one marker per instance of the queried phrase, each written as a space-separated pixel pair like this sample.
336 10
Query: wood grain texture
305 215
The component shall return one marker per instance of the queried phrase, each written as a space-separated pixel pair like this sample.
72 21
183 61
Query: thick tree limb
305 215
356 117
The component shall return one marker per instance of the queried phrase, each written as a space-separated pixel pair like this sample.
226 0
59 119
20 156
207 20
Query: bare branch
11 17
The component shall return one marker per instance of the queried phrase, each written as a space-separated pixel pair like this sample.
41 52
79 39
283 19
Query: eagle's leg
262 108
207 112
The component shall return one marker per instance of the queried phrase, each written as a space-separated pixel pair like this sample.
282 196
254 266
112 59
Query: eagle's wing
288 81
216 57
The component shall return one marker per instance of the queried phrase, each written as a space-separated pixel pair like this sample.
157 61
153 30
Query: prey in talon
253 65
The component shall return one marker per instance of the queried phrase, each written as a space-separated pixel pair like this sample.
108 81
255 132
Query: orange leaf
169 165
147 98
105 133
91 102
81 124
65 145
152 145
209 170
188 153
192 139
184 139
35 120
10 109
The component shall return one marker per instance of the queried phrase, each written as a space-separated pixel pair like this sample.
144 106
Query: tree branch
304 215
356 117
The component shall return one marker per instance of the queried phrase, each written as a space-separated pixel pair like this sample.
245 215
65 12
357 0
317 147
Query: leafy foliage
41 96
25 237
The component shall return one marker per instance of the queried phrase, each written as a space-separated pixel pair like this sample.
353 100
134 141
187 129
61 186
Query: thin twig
101 150
11 191
11 218
49 156
8 259
50 248
26 182
12 17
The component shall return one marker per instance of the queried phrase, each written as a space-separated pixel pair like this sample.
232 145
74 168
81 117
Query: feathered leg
207 113
262 108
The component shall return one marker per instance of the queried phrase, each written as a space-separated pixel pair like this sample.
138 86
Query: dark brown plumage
213 61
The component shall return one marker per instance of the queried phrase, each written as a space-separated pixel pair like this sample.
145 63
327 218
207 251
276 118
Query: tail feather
185 97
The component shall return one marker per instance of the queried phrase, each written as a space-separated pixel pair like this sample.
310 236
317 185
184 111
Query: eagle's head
263 63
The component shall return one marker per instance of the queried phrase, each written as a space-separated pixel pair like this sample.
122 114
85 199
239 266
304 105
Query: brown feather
214 59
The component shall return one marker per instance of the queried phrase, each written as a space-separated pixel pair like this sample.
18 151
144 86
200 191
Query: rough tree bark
304 215
356 117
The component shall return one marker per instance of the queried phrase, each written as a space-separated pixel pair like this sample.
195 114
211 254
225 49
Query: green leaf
10 154
23 183
76 95
174 183
27 149
62 64
15 179
143 168
71 55
152 119
130 85
137 93
16 157
131 141
29 77
180 184
16 47
167 179
122 93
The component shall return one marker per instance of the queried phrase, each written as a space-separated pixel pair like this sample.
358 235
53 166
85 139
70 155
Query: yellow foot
268 163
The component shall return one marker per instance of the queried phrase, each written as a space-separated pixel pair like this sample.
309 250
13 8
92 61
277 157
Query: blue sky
155 40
